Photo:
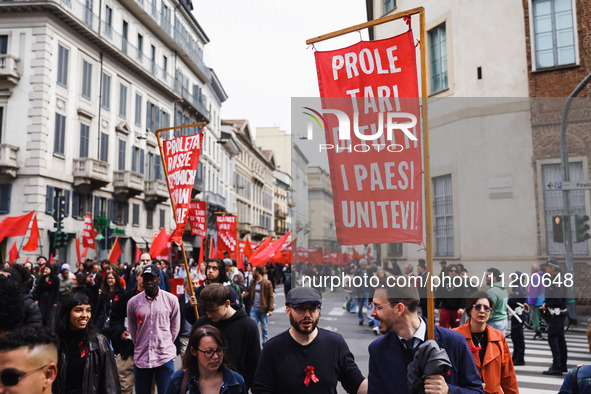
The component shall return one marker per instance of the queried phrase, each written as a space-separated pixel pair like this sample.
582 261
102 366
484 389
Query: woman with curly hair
205 366
85 360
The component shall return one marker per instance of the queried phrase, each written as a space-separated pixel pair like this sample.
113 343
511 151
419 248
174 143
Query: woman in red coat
488 346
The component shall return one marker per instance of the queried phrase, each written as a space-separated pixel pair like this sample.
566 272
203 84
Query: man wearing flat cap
554 312
305 358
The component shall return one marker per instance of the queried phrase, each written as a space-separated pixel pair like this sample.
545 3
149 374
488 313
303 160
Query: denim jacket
232 383
583 381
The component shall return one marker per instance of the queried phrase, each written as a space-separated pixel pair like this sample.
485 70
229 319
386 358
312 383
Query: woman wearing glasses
205 366
488 346
85 360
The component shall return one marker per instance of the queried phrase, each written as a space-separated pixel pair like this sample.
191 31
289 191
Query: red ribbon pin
475 349
83 349
310 375
139 319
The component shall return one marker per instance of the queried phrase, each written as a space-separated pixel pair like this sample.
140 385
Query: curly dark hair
191 361
222 277
11 305
21 276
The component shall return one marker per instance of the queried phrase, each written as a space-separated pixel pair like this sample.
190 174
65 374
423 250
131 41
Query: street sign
570 185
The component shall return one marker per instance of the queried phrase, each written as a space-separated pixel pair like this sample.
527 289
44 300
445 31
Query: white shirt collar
419 333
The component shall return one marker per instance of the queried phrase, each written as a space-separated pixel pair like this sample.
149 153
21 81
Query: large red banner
88 233
181 157
198 218
226 240
371 115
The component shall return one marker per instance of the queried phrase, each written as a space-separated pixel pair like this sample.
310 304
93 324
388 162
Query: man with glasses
28 361
389 356
305 358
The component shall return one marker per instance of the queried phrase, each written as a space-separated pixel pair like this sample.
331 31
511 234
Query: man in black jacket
240 331
121 340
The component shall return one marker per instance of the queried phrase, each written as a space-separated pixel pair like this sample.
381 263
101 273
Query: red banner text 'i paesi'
181 157
198 218
226 241
371 117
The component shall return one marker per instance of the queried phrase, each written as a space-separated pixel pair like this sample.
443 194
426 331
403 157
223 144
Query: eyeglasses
378 307
302 309
10 376
209 353
480 307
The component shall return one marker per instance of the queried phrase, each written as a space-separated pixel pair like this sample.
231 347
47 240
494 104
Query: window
5 190
162 217
138 109
137 160
106 93
86 79
140 46
124 33
3 44
100 206
60 134
438 52
136 215
123 101
108 20
389 5
121 161
88 12
554 36
62 65
1 122
50 194
164 67
81 204
104 152
149 217
118 212
153 59
443 214
553 206
84 139
395 249
165 19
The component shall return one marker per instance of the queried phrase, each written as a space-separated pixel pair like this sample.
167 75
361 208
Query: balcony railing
129 183
155 191
8 162
90 172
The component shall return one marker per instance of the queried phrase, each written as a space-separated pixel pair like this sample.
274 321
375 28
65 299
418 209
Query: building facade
84 85
322 223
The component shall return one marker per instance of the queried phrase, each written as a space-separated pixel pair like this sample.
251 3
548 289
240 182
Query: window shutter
67 197
126 207
141 161
49 199
97 206
75 204
111 213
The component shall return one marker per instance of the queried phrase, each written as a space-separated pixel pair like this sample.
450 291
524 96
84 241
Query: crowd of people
102 329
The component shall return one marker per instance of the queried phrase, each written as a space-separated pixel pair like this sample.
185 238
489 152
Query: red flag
160 243
51 259
198 218
211 249
262 246
84 251
240 261
33 242
78 250
376 199
356 255
138 253
15 226
13 254
247 248
115 252
261 258
181 157
200 259
88 233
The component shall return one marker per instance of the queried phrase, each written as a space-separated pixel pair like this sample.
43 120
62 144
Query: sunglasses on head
480 307
10 376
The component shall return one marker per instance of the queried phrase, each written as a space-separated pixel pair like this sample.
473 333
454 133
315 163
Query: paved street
537 355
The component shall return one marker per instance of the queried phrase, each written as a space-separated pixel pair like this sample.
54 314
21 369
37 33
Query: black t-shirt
283 363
